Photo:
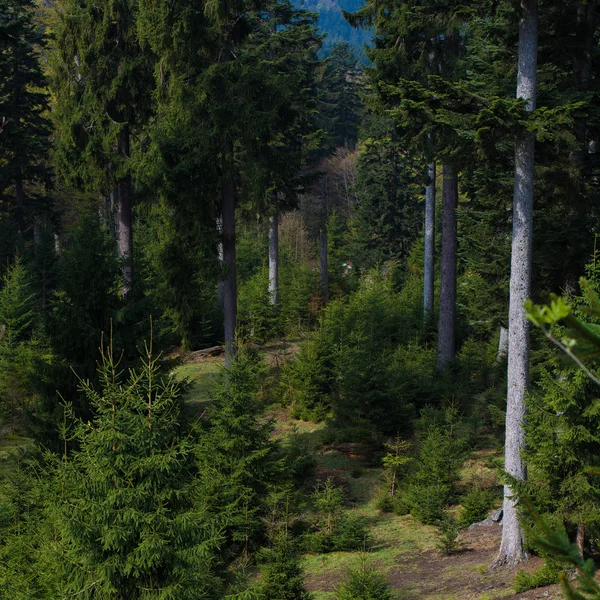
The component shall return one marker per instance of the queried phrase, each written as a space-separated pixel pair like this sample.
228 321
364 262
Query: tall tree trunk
20 205
124 219
429 244
511 546
229 265
221 284
323 264
447 322
580 539
274 257
502 344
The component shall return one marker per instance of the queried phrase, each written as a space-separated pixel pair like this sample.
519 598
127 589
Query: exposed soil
462 575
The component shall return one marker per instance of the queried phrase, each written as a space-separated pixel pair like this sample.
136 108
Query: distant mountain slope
332 22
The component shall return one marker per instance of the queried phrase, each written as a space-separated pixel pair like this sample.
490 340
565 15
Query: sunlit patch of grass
11 446
201 376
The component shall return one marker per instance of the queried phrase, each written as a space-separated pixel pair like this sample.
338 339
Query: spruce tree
236 458
282 577
24 142
129 519
18 346
102 82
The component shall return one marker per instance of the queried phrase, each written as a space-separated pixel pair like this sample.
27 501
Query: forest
281 323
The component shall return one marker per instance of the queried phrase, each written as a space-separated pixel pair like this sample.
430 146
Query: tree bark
502 344
323 264
511 546
447 323
274 257
229 265
221 284
20 206
580 539
124 219
429 244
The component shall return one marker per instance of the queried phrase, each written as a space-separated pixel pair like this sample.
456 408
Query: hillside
332 22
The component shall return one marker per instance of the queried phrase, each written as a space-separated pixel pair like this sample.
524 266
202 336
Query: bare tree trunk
429 244
274 257
124 219
502 344
323 264
447 323
229 264
511 546
221 284
580 539
20 206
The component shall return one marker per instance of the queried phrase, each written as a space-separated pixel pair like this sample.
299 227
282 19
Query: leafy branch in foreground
557 544
580 340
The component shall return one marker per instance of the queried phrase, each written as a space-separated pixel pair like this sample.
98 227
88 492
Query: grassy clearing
12 446
401 548
201 377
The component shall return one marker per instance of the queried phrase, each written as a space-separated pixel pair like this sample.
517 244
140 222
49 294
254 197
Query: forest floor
402 549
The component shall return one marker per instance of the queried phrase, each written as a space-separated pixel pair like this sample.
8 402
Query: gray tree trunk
502 344
221 284
511 546
124 219
429 244
447 323
323 264
229 265
274 257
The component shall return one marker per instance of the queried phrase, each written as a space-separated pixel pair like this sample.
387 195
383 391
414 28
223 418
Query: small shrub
281 572
448 542
334 530
396 462
356 473
398 504
350 534
364 583
547 574
475 506
428 502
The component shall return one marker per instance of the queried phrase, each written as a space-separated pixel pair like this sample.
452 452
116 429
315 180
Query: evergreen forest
285 316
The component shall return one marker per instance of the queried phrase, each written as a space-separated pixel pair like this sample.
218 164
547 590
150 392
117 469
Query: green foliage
21 351
474 506
335 531
340 106
547 574
448 540
388 215
555 543
24 143
236 457
562 425
440 454
396 462
179 268
87 305
282 577
346 367
258 319
129 518
364 583
28 569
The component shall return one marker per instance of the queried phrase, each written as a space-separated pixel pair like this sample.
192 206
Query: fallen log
212 351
